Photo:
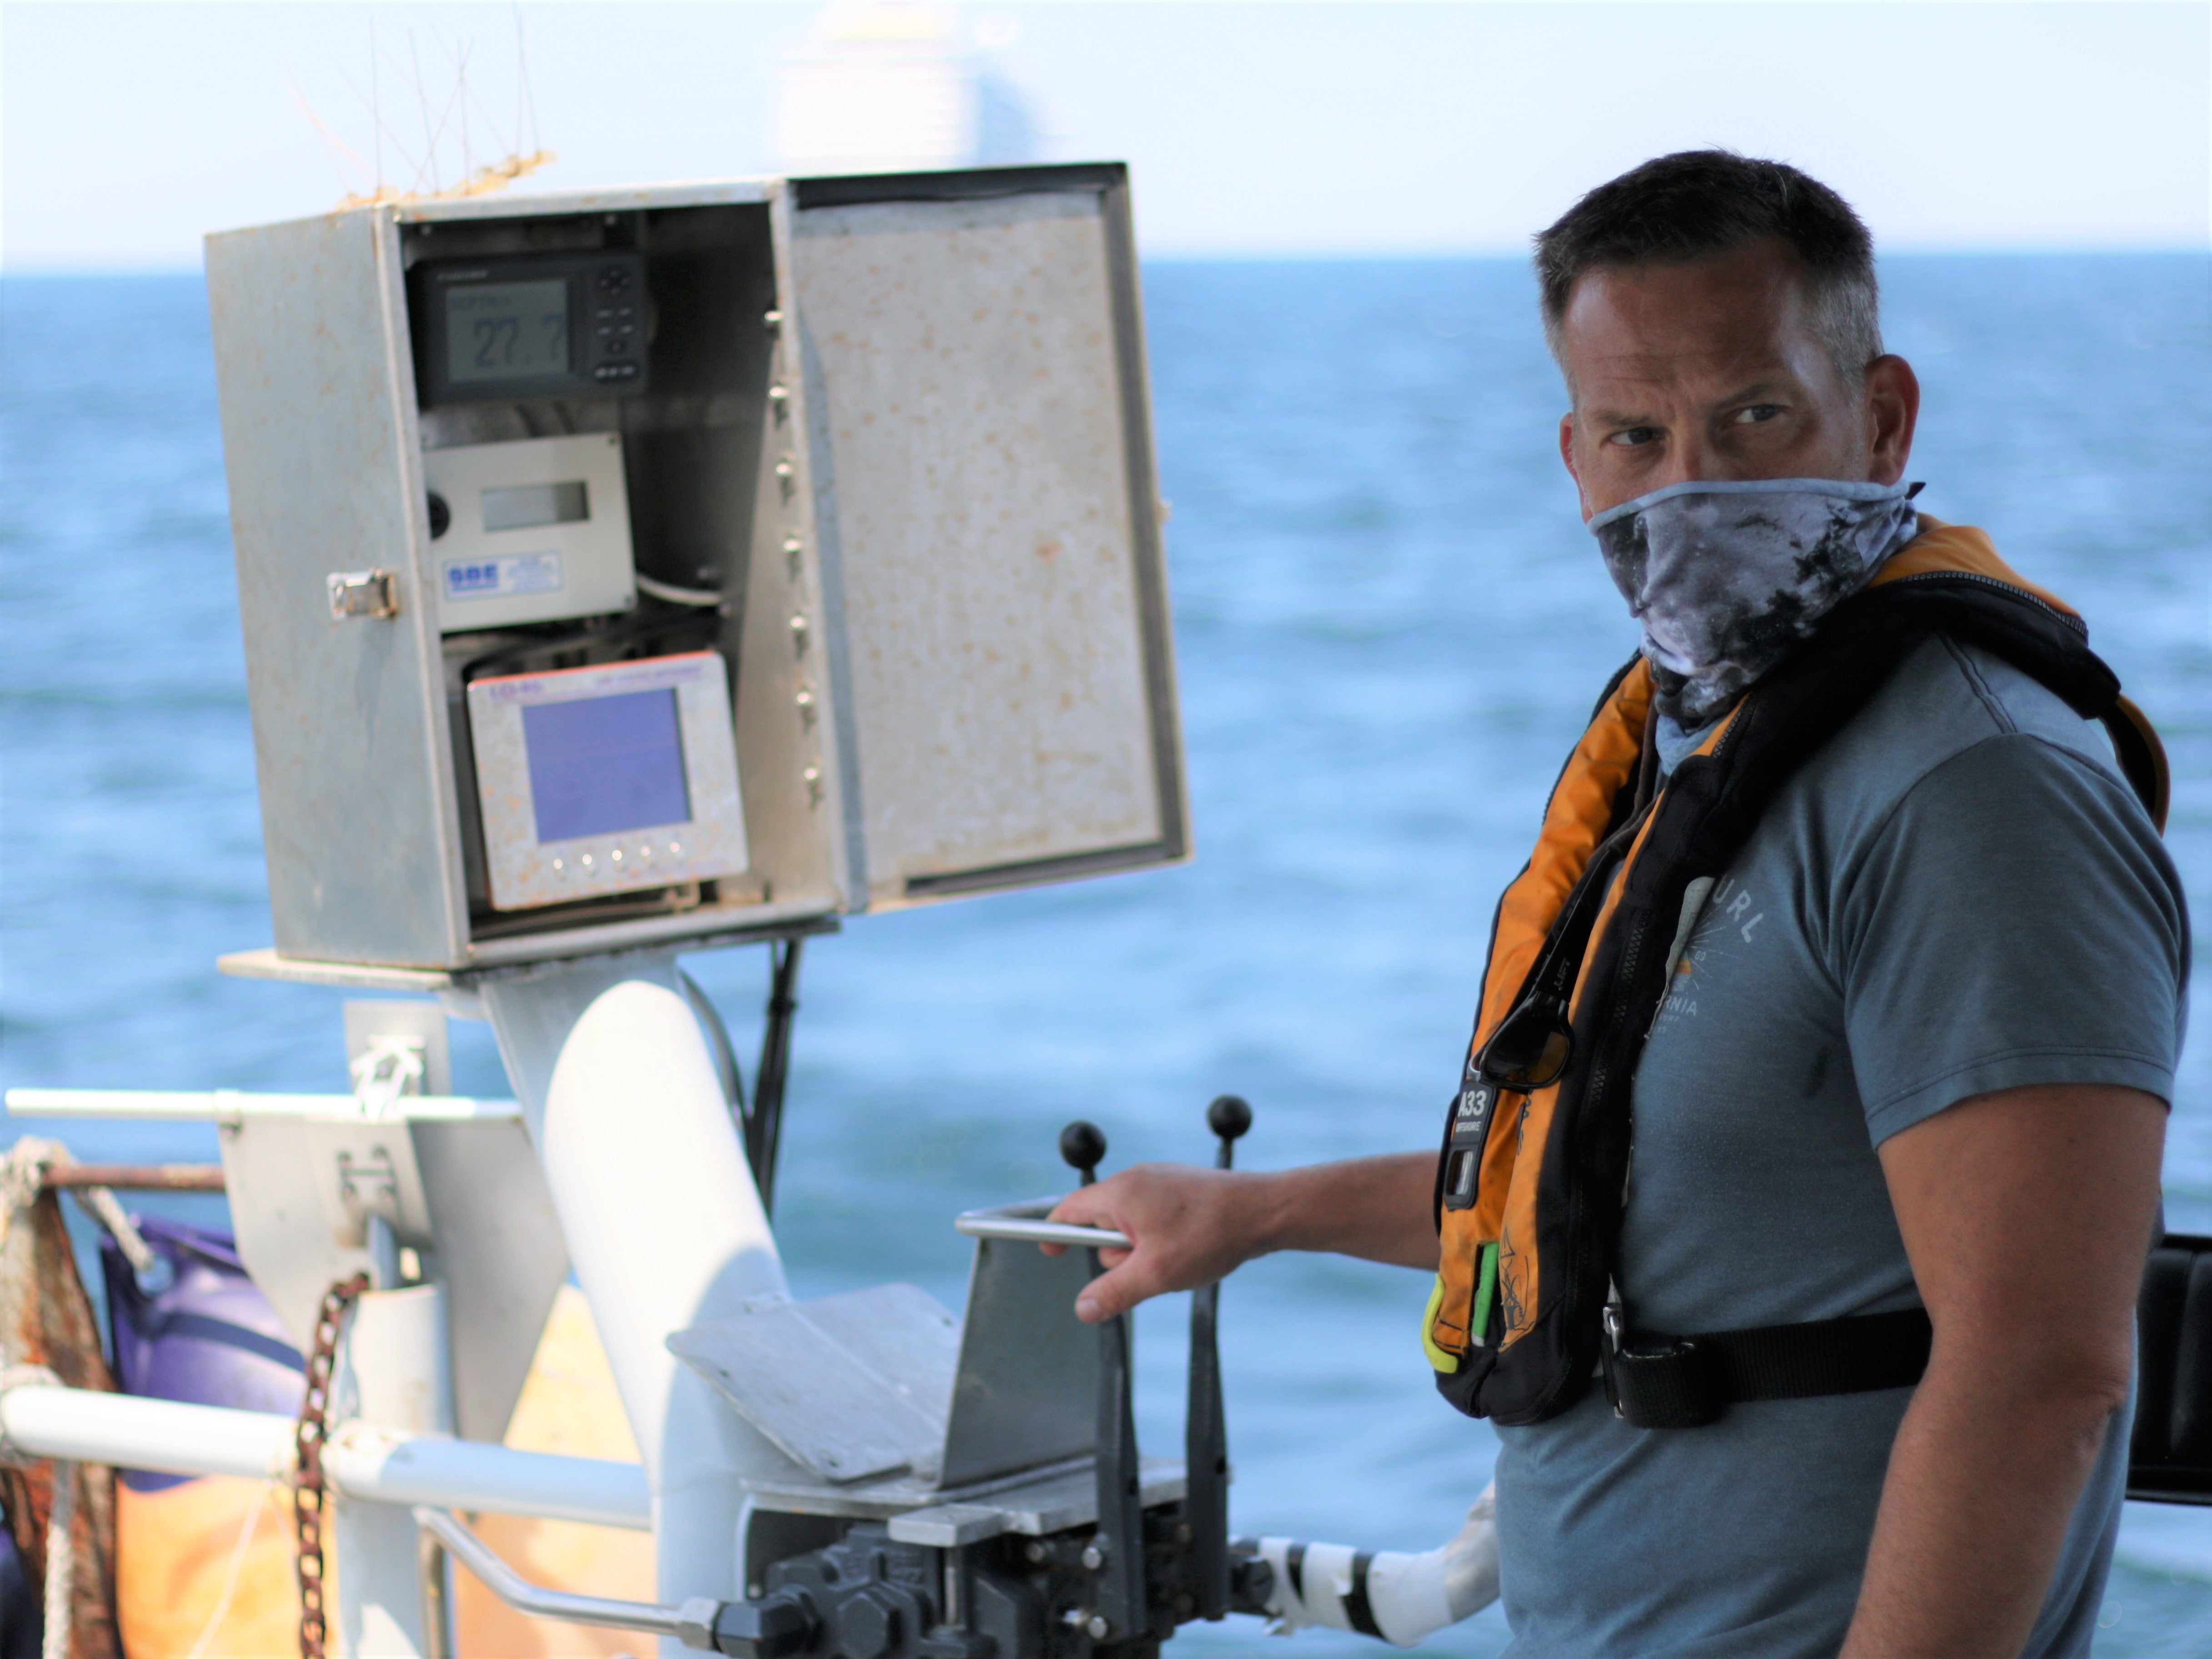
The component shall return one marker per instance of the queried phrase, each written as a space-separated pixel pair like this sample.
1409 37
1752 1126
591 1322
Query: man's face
1713 370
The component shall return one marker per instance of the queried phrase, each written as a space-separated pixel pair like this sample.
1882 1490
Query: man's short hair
1698 202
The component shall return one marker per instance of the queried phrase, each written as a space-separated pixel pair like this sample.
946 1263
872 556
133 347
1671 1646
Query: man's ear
1567 456
1893 407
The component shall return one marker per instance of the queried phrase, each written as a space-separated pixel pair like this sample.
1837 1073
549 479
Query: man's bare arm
2027 1214
1191 1226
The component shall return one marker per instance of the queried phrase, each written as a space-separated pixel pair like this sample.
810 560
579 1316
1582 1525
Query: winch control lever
1205 1427
1118 1613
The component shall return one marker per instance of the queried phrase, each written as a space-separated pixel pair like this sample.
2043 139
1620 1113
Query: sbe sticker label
509 574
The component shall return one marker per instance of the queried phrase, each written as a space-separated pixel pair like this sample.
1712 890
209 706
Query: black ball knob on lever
1083 1145
1229 1118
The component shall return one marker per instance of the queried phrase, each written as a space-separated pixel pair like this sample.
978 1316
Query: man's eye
1756 413
1633 436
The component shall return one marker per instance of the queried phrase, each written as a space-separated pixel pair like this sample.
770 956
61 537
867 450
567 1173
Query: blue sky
128 130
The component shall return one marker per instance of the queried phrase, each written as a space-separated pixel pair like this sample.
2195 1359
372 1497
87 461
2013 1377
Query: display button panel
607 779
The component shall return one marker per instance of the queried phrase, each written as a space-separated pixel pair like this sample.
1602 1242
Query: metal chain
307 1482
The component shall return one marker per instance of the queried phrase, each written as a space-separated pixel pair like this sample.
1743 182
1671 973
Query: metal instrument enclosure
892 459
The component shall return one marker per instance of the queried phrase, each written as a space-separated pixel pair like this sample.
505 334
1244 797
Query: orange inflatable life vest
1529 1180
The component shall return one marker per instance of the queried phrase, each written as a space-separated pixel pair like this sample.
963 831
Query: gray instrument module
610 779
529 326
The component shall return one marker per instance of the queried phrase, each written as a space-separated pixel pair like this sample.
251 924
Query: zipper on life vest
2073 622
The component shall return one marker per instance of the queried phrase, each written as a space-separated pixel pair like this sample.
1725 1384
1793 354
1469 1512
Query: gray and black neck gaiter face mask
1728 578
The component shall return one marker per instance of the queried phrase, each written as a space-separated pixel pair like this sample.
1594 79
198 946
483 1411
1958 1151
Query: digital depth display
527 507
604 766
507 331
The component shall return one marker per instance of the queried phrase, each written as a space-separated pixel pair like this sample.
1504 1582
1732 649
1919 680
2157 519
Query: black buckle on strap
1658 1382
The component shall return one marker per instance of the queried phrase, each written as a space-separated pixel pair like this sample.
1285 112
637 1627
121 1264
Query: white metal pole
361 1460
664 1224
392 1373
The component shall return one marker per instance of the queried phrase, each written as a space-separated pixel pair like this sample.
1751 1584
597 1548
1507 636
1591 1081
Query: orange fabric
1574 821
1958 547
179 1551
568 1405
176 1549
1448 1328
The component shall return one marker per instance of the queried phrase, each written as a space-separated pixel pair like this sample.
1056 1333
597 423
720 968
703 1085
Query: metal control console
973 1491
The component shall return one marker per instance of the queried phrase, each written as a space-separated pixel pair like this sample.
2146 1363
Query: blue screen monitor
605 765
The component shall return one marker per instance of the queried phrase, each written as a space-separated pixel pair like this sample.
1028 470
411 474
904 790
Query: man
1913 1046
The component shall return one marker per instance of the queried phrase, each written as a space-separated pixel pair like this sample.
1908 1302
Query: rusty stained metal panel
969 433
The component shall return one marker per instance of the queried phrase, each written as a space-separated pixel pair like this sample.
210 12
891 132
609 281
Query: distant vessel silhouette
891 86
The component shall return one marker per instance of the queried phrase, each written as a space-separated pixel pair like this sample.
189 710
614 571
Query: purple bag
209 1338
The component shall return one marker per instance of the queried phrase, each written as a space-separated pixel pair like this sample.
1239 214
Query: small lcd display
603 766
507 331
526 506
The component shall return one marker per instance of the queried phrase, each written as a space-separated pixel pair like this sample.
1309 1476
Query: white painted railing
360 1460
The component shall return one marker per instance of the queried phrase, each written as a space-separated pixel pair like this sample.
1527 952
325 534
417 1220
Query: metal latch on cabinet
363 593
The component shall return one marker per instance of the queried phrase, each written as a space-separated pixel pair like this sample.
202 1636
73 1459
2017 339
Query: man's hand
2027 1214
1190 1226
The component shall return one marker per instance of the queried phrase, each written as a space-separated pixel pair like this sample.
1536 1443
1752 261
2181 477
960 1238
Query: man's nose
1693 458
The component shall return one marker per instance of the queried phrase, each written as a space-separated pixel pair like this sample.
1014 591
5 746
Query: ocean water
1389 626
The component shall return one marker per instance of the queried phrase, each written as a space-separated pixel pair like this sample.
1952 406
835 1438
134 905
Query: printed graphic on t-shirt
1728 921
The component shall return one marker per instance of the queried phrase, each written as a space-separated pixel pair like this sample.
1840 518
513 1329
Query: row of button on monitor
644 852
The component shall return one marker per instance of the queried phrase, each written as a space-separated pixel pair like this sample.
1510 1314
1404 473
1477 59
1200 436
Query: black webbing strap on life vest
1687 1381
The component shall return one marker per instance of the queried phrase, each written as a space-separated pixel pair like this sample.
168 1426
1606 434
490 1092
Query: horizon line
10 270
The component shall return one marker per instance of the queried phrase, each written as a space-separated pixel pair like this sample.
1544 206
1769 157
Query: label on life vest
1470 1125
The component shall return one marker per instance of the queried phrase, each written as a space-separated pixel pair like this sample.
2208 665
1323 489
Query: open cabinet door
980 453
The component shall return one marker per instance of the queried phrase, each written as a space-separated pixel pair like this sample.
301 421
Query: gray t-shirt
1957 895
